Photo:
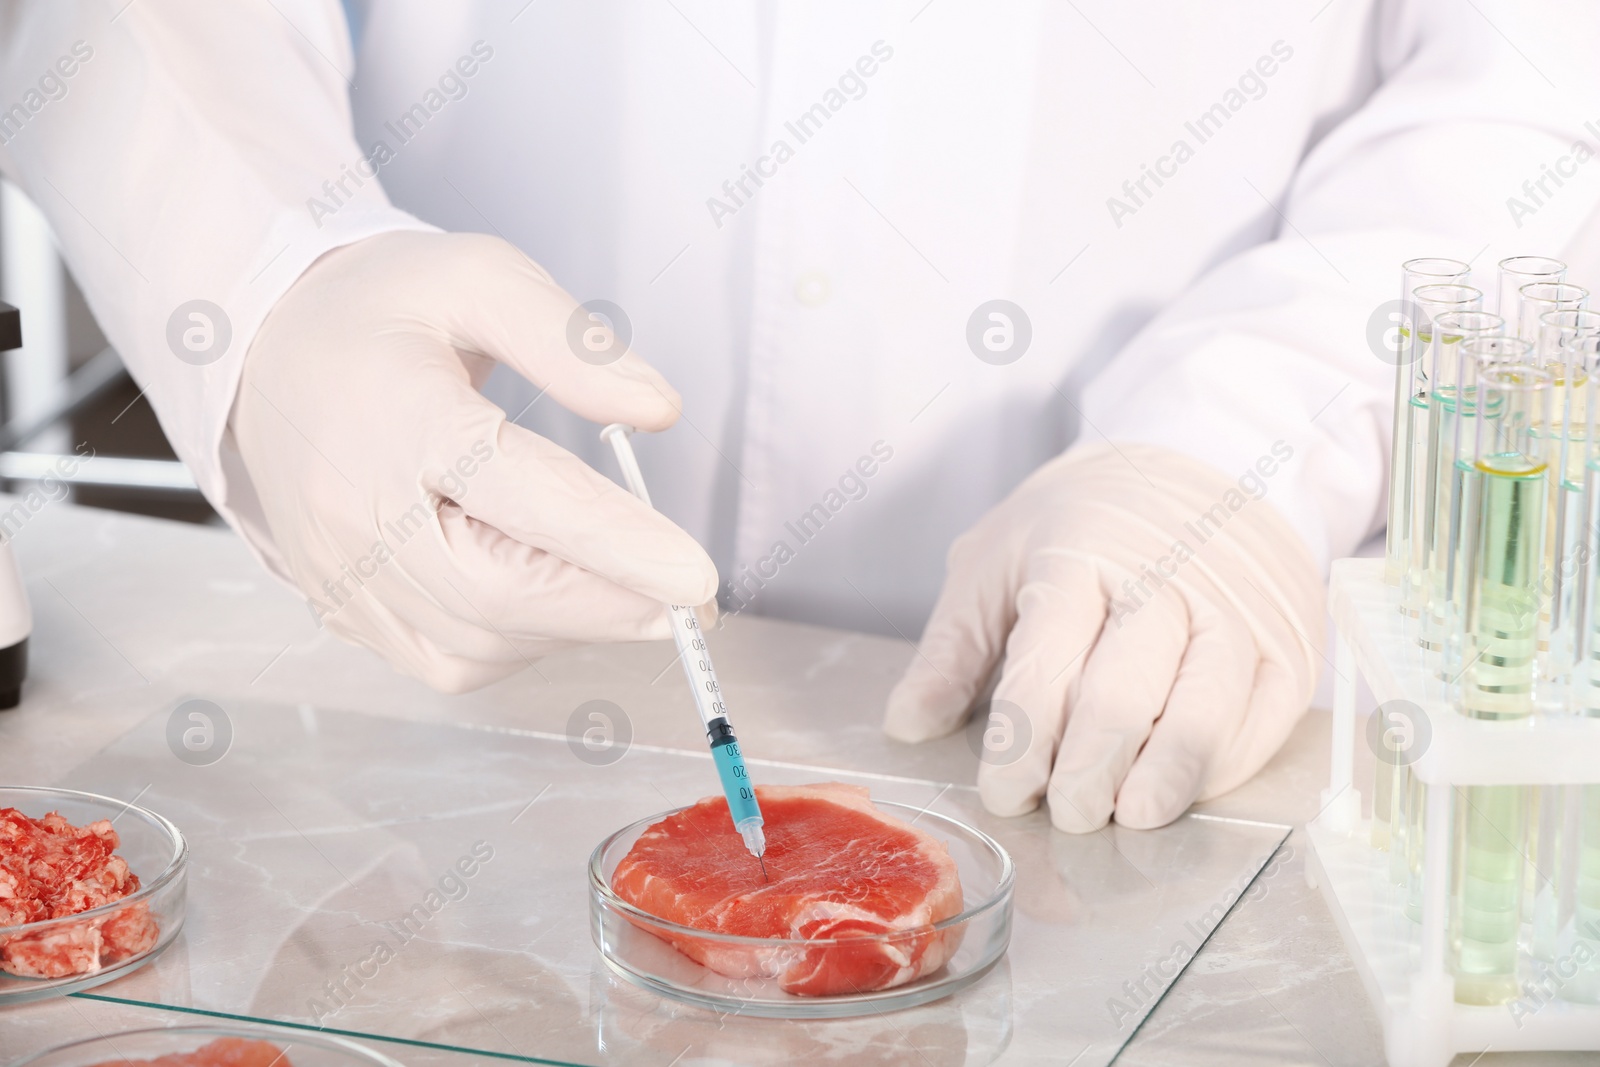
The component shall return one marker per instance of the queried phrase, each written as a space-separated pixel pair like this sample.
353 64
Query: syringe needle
763 863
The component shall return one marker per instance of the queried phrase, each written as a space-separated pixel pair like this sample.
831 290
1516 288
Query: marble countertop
133 614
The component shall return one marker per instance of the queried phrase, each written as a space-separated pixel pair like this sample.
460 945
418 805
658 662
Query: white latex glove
358 410
1133 702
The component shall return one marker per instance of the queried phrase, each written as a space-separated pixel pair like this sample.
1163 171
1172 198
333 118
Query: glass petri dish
638 946
132 1047
54 957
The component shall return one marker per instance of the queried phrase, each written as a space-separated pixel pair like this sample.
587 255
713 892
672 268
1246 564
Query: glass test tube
1515 272
1557 642
1576 915
1561 330
1537 298
1564 525
1451 407
1465 343
1579 925
1542 905
1423 455
1583 349
1428 303
1512 431
1567 349
1561 614
1410 404
1566 539
1413 272
1563 528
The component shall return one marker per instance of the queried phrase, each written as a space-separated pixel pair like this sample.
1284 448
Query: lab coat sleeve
188 150
1270 353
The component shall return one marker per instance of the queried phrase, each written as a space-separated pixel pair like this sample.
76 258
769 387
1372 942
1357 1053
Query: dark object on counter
13 658
13 669
10 327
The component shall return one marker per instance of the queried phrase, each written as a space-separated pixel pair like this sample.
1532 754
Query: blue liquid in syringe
736 783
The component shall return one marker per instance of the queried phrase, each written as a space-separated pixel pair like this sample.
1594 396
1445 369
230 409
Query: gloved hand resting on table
1159 645
418 520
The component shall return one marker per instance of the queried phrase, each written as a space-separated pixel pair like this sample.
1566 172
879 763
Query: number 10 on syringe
696 658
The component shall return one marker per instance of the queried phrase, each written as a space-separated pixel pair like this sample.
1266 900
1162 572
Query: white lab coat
1197 206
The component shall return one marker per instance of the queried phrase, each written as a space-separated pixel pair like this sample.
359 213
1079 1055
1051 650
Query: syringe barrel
697 666
736 784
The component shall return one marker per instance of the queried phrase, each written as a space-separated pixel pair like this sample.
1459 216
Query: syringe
696 659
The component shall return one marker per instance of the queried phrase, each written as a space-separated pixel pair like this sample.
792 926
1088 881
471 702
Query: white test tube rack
1405 965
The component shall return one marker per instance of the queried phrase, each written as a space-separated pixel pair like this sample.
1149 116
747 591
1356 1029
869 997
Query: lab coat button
812 289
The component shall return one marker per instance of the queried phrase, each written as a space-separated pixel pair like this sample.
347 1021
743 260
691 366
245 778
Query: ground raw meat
223 1052
839 868
50 869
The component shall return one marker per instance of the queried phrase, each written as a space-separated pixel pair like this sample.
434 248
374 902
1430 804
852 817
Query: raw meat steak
840 868
50 869
223 1052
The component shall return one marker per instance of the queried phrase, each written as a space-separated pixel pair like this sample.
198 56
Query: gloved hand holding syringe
696 658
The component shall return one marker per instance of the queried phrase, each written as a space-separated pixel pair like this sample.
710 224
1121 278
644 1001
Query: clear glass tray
426 885
142 1046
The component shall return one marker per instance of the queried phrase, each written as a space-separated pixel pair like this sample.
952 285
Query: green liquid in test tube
1491 822
1581 944
1503 607
1383 813
1411 825
1588 897
1491 832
